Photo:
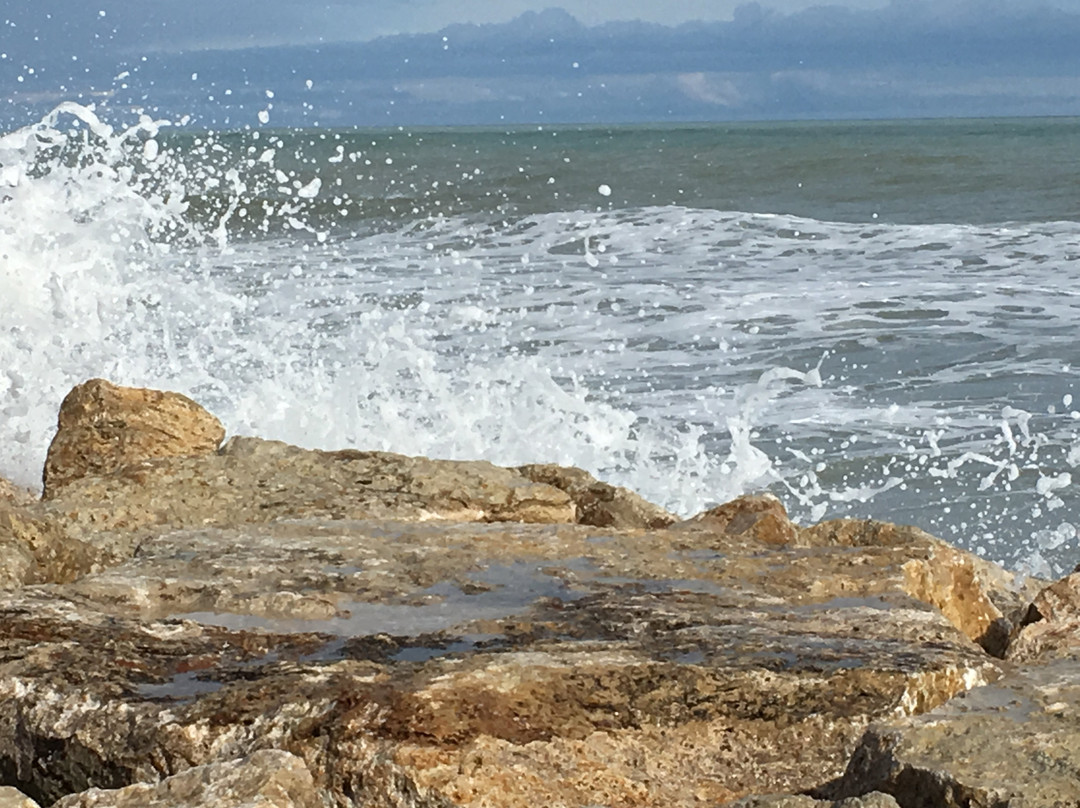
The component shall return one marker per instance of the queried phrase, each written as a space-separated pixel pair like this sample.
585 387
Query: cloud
909 57
709 89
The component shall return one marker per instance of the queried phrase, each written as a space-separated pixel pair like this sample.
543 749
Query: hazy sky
156 24
481 61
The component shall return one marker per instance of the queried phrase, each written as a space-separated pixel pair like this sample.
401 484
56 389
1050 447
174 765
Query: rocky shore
189 622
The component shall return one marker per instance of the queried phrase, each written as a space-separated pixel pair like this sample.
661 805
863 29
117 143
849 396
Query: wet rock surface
268 625
479 659
1013 743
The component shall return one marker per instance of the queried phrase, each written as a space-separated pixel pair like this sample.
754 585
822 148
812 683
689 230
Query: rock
873 800
1011 744
440 633
253 481
599 504
17 564
102 428
760 517
1053 624
1059 601
15 494
441 663
978 597
36 549
265 779
13 798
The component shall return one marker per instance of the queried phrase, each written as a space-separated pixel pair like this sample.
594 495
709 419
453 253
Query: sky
243 63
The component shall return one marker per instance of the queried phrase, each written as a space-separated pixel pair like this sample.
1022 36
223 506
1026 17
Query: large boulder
103 427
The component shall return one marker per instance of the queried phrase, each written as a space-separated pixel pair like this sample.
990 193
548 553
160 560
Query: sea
868 319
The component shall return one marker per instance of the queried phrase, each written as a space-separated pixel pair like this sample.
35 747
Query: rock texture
37 549
1013 744
266 779
102 428
256 481
761 518
1052 629
873 800
505 664
14 494
13 798
265 625
598 503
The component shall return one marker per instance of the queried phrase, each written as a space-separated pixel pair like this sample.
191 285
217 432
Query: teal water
911 172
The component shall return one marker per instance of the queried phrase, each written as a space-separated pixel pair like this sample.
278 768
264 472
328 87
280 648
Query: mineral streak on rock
102 428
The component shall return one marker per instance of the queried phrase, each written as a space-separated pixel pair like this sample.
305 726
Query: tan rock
265 779
442 663
978 597
13 798
598 503
36 549
1059 601
102 428
759 517
1053 624
11 493
252 481
1011 744
440 633
873 800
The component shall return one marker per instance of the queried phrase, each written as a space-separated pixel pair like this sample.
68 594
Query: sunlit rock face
102 427
406 631
1052 624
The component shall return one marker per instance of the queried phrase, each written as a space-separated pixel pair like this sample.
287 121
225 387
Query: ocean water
868 319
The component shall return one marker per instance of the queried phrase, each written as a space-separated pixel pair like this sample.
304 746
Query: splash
126 258
330 290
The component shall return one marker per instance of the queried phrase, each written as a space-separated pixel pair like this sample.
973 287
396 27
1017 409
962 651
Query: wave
902 371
